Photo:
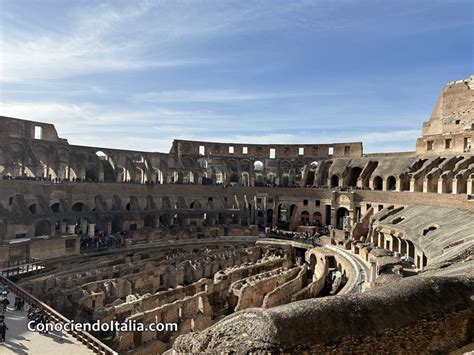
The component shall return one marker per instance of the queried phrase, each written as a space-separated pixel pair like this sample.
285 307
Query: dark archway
378 183
340 215
234 178
353 176
149 221
42 228
117 224
92 174
269 217
304 217
55 207
317 218
391 183
165 220
78 207
334 181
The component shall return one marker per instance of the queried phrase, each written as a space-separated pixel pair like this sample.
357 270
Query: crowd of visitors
309 237
204 182
34 315
100 241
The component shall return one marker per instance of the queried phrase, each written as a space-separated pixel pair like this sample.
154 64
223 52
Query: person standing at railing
3 329
5 303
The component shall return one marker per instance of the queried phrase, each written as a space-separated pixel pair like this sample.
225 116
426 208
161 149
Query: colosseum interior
315 248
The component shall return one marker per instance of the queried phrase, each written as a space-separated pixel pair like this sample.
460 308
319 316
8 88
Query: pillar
71 229
469 186
412 184
84 226
91 230
425 185
373 269
63 227
455 186
441 186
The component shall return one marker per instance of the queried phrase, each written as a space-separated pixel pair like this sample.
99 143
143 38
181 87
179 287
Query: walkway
19 340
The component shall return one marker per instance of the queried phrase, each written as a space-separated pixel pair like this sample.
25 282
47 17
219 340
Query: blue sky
137 74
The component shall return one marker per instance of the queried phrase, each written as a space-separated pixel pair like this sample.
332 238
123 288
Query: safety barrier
85 338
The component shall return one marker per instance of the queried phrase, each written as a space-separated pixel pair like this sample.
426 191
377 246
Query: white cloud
155 129
219 95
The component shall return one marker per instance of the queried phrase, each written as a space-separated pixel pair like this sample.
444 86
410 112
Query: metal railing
85 338
20 267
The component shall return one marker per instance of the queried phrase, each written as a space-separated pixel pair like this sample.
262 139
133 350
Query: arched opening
310 178
101 155
32 208
378 183
42 228
109 171
258 165
137 158
334 181
149 221
391 183
55 207
341 215
304 218
259 181
317 218
353 176
92 174
269 217
117 224
234 178
195 205
429 229
271 178
165 220
78 207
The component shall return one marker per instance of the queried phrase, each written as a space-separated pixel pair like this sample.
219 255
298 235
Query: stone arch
33 208
149 221
317 217
258 165
56 207
117 224
334 181
165 220
304 217
78 207
378 183
195 205
43 227
341 213
92 173
354 174
391 183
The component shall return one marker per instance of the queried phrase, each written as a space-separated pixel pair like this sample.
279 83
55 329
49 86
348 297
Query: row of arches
377 183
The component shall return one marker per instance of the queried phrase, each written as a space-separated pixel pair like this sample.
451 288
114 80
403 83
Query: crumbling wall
284 293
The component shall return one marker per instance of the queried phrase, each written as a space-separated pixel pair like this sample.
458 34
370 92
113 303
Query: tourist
5 303
3 329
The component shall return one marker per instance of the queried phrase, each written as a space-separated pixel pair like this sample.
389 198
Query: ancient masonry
244 246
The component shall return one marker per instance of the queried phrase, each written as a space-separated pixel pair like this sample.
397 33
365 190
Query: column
63 227
71 229
91 230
